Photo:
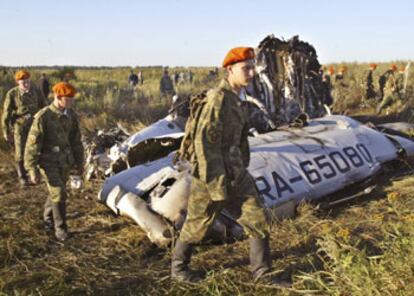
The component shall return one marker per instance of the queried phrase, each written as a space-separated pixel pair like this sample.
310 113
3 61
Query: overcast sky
198 33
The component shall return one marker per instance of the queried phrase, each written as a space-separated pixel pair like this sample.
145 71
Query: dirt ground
110 255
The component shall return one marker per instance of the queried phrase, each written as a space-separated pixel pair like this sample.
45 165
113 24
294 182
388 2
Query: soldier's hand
34 177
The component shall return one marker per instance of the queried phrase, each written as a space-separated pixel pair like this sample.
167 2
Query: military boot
181 258
59 218
48 216
261 265
260 262
21 174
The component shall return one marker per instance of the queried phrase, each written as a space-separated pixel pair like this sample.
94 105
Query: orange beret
238 54
394 67
373 66
21 74
64 89
331 70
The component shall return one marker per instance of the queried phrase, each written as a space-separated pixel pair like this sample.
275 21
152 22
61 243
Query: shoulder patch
213 133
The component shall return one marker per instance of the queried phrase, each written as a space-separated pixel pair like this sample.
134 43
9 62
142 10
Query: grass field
365 247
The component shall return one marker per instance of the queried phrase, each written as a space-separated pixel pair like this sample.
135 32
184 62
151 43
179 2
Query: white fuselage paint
288 165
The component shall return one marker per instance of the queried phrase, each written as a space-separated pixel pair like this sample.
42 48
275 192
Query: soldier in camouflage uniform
390 91
219 161
21 104
327 87
383 80
54 147
369 83
399 83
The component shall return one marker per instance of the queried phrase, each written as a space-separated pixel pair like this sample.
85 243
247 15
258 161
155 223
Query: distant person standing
20 105
181 78
53 148
390 89
166 85
369 83
384 78
132 79
44 85
176 77
140 77
340 76
189 77
399 82
327 87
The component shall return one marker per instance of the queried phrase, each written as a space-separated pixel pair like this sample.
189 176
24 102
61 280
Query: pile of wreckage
287 85
294 157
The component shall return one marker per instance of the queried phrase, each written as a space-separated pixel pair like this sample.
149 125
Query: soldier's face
24 84
242 73
65 102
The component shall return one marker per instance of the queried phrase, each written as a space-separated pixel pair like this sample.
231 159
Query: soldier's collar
224 84
243 95
57 111
22 92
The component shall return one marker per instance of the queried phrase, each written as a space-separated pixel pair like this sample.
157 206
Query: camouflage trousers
388 100
55 205
56 178
243 204
20 133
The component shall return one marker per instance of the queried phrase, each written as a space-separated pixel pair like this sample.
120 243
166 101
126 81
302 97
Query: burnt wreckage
303 159
289 81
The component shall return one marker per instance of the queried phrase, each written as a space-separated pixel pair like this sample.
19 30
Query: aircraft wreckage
322 156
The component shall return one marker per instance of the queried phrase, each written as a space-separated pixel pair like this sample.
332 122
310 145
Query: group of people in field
382 89
47 141
169 82
135 79
391 86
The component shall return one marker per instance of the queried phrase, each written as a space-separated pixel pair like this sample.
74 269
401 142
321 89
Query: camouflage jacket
54 140
221 149
18 104
390 86
399 82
